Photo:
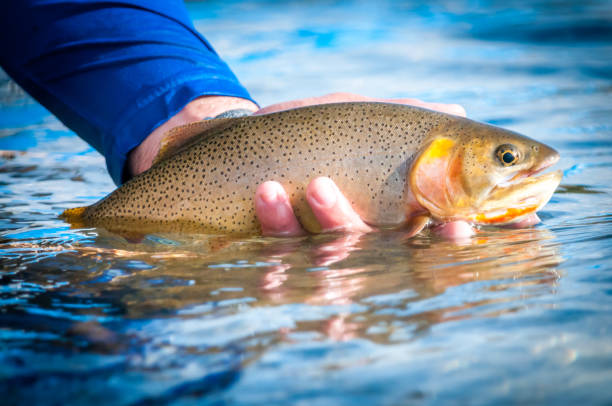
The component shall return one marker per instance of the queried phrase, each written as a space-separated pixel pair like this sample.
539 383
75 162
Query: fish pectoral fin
415 225
181 136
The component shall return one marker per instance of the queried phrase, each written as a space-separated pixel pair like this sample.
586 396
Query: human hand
331 208
141 158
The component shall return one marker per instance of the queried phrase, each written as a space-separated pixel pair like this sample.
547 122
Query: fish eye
507 154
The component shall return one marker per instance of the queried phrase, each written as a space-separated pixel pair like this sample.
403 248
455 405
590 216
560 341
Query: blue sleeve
112 71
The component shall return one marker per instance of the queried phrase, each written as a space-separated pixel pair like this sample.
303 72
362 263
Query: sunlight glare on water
507 316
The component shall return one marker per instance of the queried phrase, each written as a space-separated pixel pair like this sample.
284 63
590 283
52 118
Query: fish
401 167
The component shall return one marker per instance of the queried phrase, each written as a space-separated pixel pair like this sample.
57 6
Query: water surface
506 317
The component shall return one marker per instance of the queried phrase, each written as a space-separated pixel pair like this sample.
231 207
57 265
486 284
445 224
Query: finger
310 101
331 207
274 211
454 109
455 230
528 221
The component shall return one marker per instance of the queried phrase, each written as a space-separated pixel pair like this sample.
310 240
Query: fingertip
274 211
455 230
331 208
457 110
322 193
269 192
528 221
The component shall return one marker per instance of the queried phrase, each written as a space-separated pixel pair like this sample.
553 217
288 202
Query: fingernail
325 193
270 195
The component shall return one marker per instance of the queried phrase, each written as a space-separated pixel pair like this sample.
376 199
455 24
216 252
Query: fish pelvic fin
182 136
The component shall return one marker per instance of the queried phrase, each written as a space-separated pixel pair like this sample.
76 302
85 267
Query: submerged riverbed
507 316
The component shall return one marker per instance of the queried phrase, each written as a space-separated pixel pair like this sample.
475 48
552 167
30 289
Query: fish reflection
512 264
370 286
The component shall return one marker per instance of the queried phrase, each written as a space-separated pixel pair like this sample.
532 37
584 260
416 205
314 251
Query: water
508 316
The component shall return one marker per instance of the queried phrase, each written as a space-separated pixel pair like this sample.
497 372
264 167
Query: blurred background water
506 317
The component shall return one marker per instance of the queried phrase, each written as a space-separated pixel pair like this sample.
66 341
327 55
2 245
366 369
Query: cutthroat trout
398 165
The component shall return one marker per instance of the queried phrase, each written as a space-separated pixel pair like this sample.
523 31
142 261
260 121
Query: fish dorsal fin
181 136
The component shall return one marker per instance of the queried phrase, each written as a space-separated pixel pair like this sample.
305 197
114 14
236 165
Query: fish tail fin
75 215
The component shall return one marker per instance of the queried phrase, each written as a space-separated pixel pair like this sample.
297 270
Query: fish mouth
545 164
515 199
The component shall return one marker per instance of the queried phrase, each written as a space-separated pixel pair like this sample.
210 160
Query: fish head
482 174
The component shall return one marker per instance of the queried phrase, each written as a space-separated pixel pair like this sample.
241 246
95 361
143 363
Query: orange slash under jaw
515 201
503 217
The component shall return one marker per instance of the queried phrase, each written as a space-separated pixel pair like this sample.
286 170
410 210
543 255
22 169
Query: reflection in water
371 280
519 261
172 302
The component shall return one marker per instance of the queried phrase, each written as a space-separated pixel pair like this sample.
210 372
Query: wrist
141 157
